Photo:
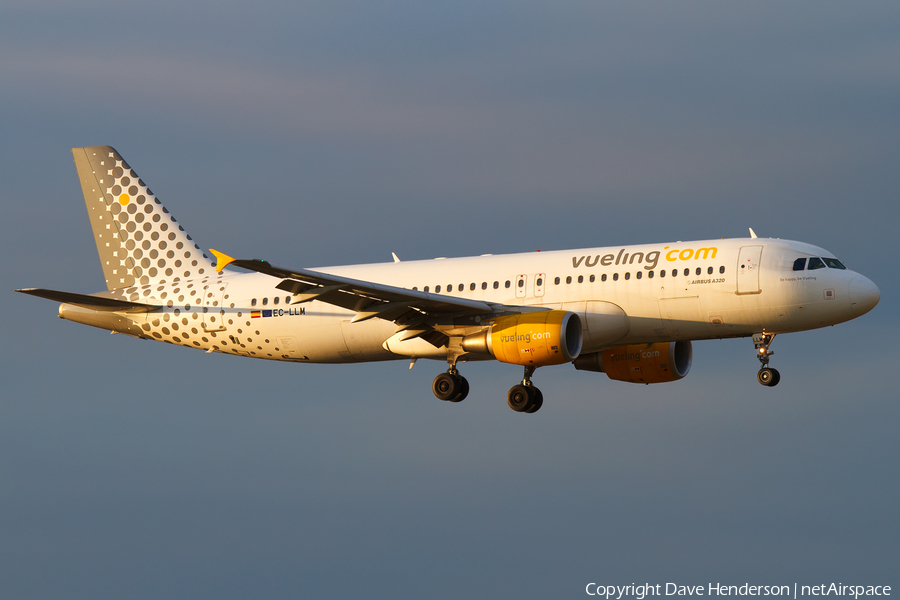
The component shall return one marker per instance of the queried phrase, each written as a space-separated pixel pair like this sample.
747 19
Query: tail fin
138 241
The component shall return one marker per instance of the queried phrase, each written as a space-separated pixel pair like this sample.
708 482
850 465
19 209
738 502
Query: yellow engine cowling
641 363
549 337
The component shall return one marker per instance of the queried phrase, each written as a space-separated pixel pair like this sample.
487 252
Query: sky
329 133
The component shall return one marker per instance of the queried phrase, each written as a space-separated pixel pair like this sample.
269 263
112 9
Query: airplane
630 312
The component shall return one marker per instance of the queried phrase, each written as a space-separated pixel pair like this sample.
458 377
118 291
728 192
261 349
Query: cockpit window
799 264
815 263
834 263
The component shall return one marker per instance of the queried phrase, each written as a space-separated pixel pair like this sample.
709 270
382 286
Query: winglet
222 260
753 235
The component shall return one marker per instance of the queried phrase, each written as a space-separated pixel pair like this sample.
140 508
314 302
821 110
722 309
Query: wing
420 314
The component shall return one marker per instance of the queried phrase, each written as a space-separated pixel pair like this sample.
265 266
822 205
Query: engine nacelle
641 363
549 337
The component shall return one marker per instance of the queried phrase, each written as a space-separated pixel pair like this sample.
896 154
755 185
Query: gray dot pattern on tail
151 246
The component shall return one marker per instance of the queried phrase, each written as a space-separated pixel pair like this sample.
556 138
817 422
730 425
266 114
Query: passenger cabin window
615 276
425 289
581 279
815 263
721 269
650 274
265 301
521 283
834 263
698 271
639 274
462 287
253 302
662 273
507 284
540 281
437 289
471 287
484 285
496 285
569 279
687 272
275 301
799 264
709 271
556 281
627 276
603 277
592 279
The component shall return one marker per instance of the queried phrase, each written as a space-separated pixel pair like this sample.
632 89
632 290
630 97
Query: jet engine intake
641 363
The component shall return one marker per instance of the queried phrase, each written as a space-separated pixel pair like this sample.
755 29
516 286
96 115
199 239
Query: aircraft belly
683 318
314 336
308 333
365 340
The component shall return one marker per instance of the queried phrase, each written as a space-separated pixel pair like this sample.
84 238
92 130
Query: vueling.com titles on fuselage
648 260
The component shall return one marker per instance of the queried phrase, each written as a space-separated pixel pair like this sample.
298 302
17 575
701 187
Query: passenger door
748 270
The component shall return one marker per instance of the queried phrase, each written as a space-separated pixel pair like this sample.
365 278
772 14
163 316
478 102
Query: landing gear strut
525 397
450 386
766 376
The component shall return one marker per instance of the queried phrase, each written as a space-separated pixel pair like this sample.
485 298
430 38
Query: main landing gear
450 386
525 397
766 376
522 397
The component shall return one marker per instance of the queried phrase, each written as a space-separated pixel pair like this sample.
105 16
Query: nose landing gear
525 397
766 376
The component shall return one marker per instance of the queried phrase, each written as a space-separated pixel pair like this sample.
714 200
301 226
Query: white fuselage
635 294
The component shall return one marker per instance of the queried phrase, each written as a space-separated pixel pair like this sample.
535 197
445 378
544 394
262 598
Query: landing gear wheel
537 402
463 389
452 387
525 398
446 386
768 377
519 397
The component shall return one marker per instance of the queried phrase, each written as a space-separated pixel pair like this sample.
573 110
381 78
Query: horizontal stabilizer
92 302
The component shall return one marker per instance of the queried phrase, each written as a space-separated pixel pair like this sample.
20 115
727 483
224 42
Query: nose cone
864 295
